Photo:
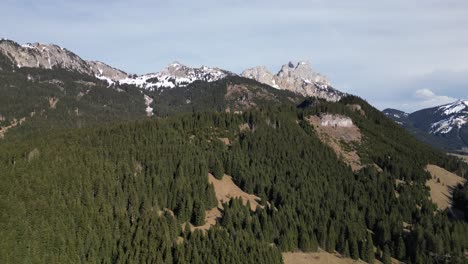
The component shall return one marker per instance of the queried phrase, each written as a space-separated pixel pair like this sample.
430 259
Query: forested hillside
98 195
230 94
34 99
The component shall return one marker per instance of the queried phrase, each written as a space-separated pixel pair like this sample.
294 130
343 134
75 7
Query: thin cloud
428 98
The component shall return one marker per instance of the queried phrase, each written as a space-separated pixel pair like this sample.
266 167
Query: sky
404 54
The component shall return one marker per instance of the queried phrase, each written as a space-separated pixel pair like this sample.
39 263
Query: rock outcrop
336 121
299 78
49 56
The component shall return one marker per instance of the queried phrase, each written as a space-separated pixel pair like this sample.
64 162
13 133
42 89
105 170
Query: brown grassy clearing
441 184
321 257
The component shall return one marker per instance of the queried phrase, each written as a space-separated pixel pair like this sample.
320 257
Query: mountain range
202 165
299 77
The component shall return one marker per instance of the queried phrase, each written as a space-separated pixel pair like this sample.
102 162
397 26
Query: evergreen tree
386 259
354 248
370 254
198 216
305 244
401 248
218 170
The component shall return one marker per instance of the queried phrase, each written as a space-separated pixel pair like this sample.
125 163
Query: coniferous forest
109 187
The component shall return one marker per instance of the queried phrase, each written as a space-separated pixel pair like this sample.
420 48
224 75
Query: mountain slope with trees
100 187
96 194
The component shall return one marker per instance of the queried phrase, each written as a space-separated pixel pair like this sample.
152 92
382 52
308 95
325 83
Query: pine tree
370 254
386 255
346 249
218 170
401 248
330 246
305 243
354 248
198 215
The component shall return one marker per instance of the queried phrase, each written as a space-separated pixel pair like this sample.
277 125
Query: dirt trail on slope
441 184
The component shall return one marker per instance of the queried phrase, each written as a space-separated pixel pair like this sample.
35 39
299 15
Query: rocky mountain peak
302 71
297 77
45 56
287 67
48 56
261 74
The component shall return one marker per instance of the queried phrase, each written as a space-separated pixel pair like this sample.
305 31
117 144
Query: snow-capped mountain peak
453 116
453 108
176 74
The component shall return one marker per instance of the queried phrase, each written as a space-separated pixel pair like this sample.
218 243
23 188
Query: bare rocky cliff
299 78
48 56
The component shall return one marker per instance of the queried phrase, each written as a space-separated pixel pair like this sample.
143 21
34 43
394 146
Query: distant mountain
49 56
176 74
443 126
398 116
298 78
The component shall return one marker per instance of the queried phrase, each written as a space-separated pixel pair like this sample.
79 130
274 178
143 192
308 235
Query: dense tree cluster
100 195
80 100
202 96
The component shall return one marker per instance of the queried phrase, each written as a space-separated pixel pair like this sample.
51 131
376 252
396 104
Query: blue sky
401 54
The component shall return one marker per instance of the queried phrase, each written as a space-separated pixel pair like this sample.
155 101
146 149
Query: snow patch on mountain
455 115
104 78
446 125
148 102
176 74
454 108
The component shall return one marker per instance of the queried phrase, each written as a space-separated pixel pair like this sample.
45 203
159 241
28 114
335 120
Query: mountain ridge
444 126
299 78
48 56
